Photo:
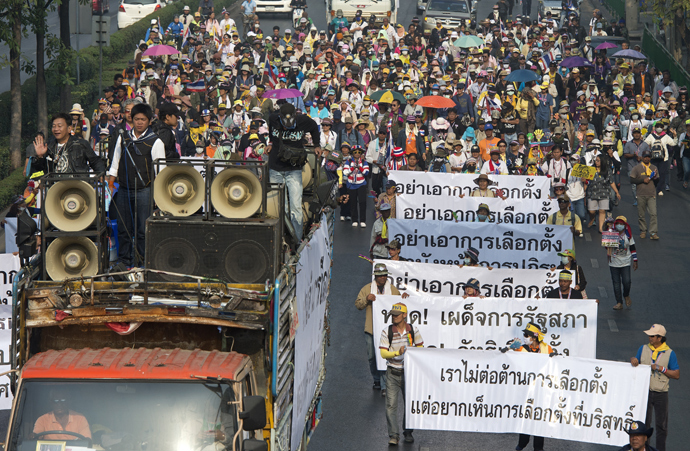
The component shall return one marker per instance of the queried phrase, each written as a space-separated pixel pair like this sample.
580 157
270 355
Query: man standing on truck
394 341
61 419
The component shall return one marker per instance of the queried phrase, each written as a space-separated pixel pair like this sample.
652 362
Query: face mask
467 261
630 108
482 217
591 110
620 227
659 130
564 260
635 117
404 52
434 93
471 168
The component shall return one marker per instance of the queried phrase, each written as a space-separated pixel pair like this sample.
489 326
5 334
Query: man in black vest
133 156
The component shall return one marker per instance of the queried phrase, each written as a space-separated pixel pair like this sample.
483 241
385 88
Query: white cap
154 21
186 7
656 329
288 31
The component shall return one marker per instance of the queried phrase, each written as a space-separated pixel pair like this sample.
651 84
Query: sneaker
354 224
668 189
628 301
635 204
643 235
581 235
654 237
363 225
377 385
348 218
660 193
342 218
383 393
393 441
618 306
408 437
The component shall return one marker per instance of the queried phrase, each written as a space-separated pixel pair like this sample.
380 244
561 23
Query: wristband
663 369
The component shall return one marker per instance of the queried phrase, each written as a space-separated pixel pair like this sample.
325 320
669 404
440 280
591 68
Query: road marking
595 263
613 326
588 237
424 448
602 292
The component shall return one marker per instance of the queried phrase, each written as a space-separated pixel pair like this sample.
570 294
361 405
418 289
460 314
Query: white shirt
157 153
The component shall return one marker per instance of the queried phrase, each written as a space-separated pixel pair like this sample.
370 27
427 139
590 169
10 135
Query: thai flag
271 76
197 86
503 29
545 60
389 147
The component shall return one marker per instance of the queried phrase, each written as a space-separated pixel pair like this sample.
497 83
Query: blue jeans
619 275
578 207
686 169
396 386
379 376
133 209
293 183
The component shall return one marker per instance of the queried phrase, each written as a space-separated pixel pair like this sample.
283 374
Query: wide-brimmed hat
483 177
440 124
395 244
473 283
639 428
567 253
380 270
472 253
76 109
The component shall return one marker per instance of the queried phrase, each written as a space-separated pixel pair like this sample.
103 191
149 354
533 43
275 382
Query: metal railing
660 57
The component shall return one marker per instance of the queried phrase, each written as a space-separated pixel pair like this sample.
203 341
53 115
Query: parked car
449 12
131 11
97 4
421 5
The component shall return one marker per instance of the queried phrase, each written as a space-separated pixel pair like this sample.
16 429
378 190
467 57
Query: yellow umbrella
387 97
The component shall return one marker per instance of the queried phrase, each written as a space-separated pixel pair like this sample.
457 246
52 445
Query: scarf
656 351
384 230
647 169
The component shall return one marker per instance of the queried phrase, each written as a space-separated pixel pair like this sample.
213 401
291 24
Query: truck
147 365
378 8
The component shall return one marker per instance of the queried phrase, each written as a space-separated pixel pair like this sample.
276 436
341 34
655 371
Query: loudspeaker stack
215 222
73 226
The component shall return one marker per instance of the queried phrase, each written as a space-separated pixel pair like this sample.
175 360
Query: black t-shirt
294 138
555 294
509 129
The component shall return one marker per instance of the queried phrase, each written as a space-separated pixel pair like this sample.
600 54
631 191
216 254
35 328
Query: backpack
438 165
657 150
553 218
410 330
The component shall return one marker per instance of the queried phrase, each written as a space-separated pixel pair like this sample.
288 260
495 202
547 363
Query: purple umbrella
605 45
158 50
282 94
629 53
575 61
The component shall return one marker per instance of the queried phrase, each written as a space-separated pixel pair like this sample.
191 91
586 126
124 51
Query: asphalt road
354 415
29 43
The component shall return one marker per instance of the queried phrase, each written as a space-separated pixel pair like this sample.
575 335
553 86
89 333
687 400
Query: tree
11 17
37 18
65 55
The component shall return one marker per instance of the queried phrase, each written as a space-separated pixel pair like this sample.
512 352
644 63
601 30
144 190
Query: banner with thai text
517 246
474 323
9 267
452 185
419 279
569 398
455 209
311 293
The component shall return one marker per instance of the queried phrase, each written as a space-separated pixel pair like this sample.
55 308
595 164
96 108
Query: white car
131 11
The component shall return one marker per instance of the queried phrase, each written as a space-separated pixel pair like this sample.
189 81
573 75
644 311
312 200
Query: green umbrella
468 41
376 97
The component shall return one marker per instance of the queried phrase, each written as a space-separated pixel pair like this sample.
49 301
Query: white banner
455 209
311 293
490 323
9 266
517 246
578 399
418 279
446 185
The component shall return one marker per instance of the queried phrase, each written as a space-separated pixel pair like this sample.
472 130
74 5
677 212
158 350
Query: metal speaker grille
247 261
175 255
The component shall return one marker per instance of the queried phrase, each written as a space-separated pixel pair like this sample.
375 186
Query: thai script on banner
452 185
9 266
490 323
449 280
311 293
584 400
517 246
511 211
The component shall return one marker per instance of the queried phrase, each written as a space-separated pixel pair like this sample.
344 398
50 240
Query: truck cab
379 8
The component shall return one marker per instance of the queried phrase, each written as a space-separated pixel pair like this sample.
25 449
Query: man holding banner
392 346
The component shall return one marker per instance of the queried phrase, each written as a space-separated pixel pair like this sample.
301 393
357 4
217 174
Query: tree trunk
65 89
16 88
41 94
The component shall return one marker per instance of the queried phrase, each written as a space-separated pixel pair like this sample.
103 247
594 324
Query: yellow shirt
568 219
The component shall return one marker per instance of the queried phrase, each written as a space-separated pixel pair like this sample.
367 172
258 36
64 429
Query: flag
545 60
197 86
389 147
272 80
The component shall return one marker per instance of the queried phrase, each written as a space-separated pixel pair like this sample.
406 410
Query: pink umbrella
282 94
606 45
158 50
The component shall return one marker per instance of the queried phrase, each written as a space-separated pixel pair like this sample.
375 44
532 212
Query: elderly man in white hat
664 366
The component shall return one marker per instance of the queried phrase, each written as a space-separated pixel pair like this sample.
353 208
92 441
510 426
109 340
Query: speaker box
233 252
73 230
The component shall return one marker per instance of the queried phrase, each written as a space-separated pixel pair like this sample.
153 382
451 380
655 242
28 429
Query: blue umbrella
522 76
575 61
630 53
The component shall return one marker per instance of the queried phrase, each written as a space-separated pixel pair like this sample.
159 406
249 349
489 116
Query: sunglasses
355 152
562 201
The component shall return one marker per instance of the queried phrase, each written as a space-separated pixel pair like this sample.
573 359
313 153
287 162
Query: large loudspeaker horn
71 257
71 205
307 175
273 204
236 193
179 190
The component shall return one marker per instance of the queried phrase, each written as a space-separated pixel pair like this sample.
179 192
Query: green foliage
666 9
11 186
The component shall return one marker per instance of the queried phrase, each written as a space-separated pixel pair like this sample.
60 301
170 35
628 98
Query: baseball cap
656 329
398 309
